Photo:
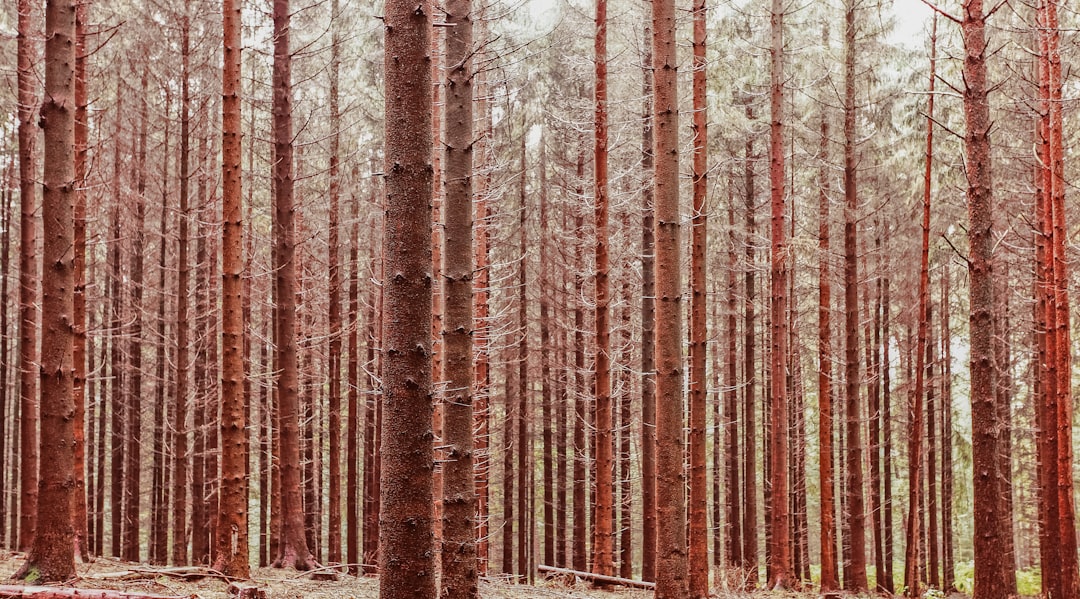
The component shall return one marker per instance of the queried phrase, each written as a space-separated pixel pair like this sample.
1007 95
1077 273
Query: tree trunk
52 556
603 537
458 554
1070 571
581 460
79 298
546 351
334 291
949 573
293 550
116 358
159 530
353 521
988 462
406 538
648 325
133 436
524 439
733 519
855 512
830 575
28 281
180 451
750 490
887 449
671 566
779 559
232 521
699 525
482 335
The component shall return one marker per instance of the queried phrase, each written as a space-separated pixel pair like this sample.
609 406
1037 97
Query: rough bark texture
28 282
779 556
648 333
733 519
232 522
459 569
699 525
988 461
293 550
856 515
671 553
79 298
406 539
603 537
52 556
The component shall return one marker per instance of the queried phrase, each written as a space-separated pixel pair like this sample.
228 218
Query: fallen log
8 591
598 578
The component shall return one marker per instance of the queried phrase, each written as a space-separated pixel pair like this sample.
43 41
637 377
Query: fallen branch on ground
31 592
626 582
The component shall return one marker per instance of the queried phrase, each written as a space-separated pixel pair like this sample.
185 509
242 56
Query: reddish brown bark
28 282
52 556
603 539
482 333
406 539
79 266
231 544
35 592
293 550
856 516
988 461
458 553
648 322
779 557
671 560
887 449
6 467
1063 416
830 575
180 414
698 521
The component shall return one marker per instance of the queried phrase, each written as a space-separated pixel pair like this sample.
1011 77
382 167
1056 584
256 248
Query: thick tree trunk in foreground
406 539
779 558
671 553
458 554
231 543
52 556
699 525
293 550
28 283
991 519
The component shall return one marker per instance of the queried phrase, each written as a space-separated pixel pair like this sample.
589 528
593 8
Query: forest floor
107 573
